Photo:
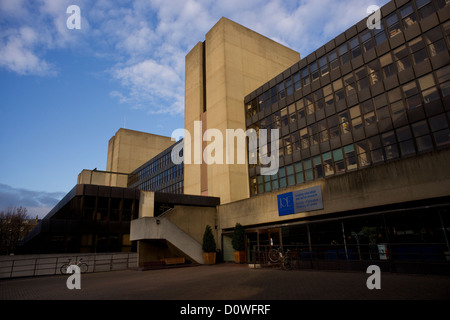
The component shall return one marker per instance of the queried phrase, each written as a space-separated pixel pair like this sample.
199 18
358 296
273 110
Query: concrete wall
193 220
129 149
146 204
92 177
232 62
421 177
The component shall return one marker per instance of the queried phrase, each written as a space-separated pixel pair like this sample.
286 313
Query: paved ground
227 282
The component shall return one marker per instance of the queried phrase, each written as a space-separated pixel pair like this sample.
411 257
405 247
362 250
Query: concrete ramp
160 228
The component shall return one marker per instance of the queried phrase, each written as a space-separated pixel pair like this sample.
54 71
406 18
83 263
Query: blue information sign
300 201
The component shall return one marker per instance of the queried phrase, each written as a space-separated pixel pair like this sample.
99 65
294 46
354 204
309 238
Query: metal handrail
19 266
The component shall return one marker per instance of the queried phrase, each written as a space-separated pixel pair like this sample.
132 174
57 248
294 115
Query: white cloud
147 40
151 83
37 202
17 54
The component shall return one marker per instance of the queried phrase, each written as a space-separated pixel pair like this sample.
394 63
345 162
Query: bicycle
278 255
83 266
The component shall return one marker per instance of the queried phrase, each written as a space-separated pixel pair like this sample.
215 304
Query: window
375 149
323 66
383 113
297 81
323 132
328 164
366 39
299 172
401 56
436 44
327 90
344 122
350 157
349 82
338 90
429 91
405 141
273 95
394 95
410 89
287 145
445 88
260 181
418 50
393 25
281 92
267 184
369 118
355 115
284 117
309 104
425 8
300 113
354 47
361 77
308 170
278 183
313 134
362 151
318 169
314 71
398 111
344 55
390 145
437 47
329 99
304 138
447 30
295 141
290 175
408 15
305 76
339 164
387 65
373 69
420 56
289 89
416 44
264 100
380 35
422 136
380 101
276 120
292 113
439 127
442 3
334 126
332 57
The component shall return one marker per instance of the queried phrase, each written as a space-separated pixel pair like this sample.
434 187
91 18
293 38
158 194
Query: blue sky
65 92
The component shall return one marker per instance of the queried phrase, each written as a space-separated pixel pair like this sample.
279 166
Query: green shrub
209 244
238 240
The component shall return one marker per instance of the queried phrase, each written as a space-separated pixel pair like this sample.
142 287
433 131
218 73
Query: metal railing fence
50 264
393 257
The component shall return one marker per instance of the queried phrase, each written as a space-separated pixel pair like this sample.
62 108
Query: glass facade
366 97
89 219
159 174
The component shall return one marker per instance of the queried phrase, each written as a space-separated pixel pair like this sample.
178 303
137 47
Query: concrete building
220 71
363 147
364 128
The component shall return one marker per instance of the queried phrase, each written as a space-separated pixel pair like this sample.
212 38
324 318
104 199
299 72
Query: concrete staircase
161 228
